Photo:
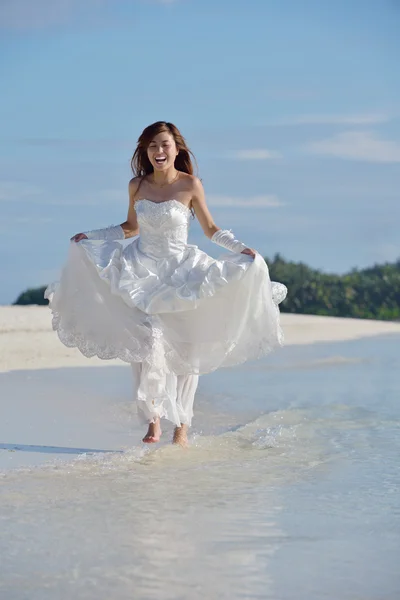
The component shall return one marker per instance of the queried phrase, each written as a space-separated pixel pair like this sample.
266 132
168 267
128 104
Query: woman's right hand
78 237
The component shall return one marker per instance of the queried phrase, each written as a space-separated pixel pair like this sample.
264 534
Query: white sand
28 342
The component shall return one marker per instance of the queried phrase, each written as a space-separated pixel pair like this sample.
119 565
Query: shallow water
290 488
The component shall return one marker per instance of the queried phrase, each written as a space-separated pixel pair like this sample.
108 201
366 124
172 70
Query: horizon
291 112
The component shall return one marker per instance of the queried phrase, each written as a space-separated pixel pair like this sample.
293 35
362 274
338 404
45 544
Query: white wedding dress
165 306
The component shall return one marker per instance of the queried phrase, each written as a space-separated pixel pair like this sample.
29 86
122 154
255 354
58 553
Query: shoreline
27 341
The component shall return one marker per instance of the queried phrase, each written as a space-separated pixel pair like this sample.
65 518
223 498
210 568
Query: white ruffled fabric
165 303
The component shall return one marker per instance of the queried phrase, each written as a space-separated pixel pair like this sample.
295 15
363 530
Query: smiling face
162 151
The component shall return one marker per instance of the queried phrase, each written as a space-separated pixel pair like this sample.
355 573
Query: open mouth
161 160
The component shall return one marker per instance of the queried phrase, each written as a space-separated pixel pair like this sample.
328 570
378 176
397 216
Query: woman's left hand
249 251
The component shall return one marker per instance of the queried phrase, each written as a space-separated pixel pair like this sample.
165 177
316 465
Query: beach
28 342
289 489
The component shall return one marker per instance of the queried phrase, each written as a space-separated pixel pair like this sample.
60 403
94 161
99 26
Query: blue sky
291 108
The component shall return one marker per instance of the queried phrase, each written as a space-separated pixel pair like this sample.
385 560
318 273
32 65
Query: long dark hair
140 164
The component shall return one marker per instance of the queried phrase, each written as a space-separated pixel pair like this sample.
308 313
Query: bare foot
180 436
153 433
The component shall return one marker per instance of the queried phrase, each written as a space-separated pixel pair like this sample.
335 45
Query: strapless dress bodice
163 227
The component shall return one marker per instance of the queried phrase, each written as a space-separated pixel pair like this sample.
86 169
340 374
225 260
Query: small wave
301 434
329 361
272 430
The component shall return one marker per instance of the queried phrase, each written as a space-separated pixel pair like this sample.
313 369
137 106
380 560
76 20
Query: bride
159 303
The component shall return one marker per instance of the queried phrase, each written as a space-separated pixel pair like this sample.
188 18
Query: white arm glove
226 239
114 232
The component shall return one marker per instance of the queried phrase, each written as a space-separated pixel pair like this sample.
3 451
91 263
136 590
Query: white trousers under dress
174 401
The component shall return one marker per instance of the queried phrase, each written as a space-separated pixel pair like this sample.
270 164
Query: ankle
182 427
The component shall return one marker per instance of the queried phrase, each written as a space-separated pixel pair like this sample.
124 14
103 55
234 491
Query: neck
164 177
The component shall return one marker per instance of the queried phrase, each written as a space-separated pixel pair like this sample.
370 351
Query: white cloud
265 201
320 119
22 224
101 197
18 190
74 143
30 220
40 14
13 191
256 154
357 145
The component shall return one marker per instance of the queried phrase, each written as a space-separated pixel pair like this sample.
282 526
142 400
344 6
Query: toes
152 436
150 439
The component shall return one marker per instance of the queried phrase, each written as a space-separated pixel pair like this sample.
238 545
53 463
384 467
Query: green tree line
372 293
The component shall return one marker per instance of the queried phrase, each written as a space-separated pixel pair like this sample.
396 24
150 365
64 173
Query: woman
160 303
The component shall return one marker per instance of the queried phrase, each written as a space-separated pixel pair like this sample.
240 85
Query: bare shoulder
197 190
187 179
194 184
134 184
133 188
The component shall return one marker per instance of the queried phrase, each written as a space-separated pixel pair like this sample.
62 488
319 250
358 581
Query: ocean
289 490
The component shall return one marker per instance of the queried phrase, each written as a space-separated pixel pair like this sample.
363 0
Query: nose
160 150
